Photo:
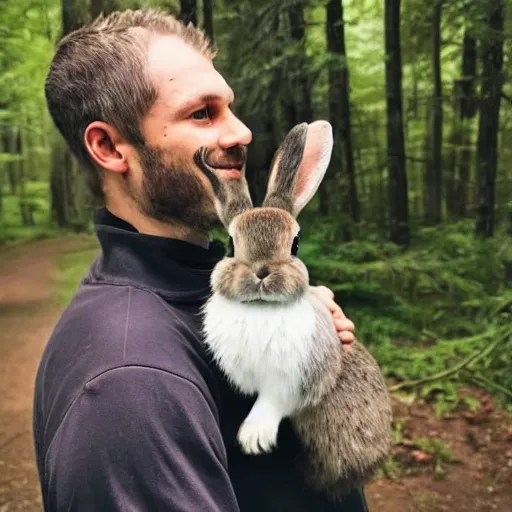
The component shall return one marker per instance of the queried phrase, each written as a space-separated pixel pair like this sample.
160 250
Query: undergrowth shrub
424 310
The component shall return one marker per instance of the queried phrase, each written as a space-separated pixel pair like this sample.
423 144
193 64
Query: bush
424 310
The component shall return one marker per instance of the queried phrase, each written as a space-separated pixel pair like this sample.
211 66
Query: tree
208 19
465 109
398 201
339 111
487 146
75 13
301 86
62 180
433 174
9 144
188 11
468 110
104 6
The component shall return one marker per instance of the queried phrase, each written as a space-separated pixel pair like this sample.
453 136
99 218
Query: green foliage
390 469
422 311
21 234
436 448
72 268
35 199
26 47
35 196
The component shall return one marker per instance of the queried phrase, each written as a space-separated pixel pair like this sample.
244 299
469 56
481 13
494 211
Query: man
129 413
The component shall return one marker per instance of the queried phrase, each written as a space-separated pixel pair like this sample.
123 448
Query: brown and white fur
273 338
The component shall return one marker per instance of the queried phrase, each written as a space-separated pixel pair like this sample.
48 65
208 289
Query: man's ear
106 147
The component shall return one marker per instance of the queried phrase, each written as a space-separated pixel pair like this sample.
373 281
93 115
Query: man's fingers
336 311
344 327
346 337
344 324
325 292
327 297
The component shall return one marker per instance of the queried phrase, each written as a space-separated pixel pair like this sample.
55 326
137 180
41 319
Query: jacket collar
174 269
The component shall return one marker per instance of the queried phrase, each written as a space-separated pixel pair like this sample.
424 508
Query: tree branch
473 358
482 381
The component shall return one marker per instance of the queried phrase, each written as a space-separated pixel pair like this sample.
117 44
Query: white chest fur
261 347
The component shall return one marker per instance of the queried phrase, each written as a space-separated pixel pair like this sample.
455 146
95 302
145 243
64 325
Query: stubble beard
173 192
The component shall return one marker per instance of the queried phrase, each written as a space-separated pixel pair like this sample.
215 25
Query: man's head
135 95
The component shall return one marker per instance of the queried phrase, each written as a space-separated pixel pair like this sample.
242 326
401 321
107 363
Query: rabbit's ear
231 196
299 166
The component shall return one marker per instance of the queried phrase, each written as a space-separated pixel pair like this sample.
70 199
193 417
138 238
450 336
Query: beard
173 192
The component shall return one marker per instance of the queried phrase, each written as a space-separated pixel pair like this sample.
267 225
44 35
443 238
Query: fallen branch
475 357
483 381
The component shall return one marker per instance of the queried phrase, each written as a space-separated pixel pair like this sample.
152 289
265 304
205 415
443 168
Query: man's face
192 110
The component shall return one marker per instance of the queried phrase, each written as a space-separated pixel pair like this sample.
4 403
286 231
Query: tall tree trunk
464 109
455 143
12 176
3 149
75 13
22 195
188 11
301 83
208 19
346 131
467 110
487 147
58 182
266 127
398 205
434 166
339 117
26 206
378 197
104 6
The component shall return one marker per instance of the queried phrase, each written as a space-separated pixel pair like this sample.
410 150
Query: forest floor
469 469
464 463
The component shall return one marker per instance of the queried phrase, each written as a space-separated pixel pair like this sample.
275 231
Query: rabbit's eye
231 248
295 245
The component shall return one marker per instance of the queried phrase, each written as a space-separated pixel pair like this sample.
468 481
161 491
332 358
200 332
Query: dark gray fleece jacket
129 413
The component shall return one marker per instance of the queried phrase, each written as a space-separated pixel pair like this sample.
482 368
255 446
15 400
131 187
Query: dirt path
28 313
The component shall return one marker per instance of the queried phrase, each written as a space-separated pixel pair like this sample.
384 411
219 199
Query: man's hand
344 326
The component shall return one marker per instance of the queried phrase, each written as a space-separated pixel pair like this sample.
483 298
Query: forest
412 225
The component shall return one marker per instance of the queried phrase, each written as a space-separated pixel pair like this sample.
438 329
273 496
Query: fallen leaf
482 415
420 456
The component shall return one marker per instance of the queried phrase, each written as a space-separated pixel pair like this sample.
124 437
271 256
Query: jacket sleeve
139 439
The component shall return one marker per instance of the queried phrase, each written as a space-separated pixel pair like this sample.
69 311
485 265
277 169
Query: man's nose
235 133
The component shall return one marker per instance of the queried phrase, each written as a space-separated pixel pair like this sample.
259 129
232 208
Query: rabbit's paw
257 437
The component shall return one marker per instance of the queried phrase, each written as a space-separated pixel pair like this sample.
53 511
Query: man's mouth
230 166
225 172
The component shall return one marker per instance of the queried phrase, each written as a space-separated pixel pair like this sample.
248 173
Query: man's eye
204 113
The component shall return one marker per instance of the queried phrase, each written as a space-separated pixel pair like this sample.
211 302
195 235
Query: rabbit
272 337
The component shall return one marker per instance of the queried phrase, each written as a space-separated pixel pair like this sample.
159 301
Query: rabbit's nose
262 272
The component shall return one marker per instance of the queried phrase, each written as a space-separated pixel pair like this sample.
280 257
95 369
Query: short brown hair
98 74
